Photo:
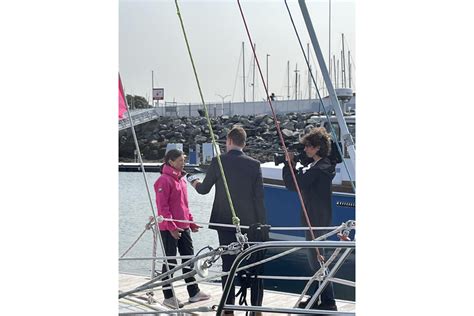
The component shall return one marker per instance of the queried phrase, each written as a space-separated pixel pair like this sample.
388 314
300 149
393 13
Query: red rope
278 127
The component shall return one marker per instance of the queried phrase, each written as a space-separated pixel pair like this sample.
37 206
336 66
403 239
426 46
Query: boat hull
283 210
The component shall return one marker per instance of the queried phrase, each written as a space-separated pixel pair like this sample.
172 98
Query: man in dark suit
244 180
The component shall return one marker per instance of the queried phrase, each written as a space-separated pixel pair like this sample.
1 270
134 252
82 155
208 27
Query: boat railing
293 245
202 261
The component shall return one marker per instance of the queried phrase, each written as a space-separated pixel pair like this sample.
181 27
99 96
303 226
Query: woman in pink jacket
172 202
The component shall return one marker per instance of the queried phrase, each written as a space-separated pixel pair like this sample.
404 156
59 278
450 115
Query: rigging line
318 274
142 167
140 303
243 226
277 124
274 257
235 219
179 267
333 132
236 76
134 243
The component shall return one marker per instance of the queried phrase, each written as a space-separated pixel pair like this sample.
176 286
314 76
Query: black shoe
327 306
303 304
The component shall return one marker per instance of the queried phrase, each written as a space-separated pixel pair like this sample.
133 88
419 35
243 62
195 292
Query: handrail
272 245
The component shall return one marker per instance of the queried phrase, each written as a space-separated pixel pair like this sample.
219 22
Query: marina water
135 209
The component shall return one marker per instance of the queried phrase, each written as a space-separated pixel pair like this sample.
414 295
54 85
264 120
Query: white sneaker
171 303
200 296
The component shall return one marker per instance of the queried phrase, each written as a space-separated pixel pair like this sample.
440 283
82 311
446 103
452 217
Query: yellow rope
235 219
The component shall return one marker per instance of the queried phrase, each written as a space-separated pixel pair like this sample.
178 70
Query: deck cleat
150 298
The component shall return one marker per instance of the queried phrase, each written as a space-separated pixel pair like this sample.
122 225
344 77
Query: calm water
134 210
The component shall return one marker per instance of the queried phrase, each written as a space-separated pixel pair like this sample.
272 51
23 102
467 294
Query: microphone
192 177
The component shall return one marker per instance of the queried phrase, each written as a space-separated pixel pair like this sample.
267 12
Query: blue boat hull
283 210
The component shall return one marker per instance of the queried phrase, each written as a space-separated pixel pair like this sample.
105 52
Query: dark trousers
256 290
327 295
185 247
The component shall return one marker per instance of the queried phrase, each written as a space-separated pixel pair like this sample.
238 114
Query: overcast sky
150 38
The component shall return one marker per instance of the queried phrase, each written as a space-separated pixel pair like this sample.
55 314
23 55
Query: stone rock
287 133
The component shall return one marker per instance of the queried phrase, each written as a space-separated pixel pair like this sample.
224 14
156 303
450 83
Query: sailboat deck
137 303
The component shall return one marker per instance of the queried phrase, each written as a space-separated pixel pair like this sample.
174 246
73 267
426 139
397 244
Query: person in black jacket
244 180
315 184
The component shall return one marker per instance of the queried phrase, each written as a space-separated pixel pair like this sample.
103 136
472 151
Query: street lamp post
223 98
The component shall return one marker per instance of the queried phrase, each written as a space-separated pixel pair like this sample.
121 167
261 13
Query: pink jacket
172 198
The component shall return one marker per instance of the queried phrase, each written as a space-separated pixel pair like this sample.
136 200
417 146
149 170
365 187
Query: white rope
158 258
161 219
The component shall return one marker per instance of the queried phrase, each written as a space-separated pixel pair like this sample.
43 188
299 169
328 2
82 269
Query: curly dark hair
318 136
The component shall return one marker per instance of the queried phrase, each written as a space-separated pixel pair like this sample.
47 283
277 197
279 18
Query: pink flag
122 105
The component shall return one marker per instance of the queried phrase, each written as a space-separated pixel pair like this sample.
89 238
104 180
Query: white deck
138 302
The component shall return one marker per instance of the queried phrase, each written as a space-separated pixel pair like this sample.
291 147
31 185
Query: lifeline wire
235 219
277 124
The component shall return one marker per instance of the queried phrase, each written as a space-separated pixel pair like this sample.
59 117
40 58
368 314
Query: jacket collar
235 152
173 172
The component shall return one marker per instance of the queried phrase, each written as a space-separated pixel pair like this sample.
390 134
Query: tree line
137 102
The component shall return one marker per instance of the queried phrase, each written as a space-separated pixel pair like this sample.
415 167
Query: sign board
158 93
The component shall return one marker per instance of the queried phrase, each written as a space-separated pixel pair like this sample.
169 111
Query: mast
334 79
296 82
299 86
337 75
343 61
329 58
152 87
346 136
309 76
349 63
253 73
243 68
268 86
288 79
